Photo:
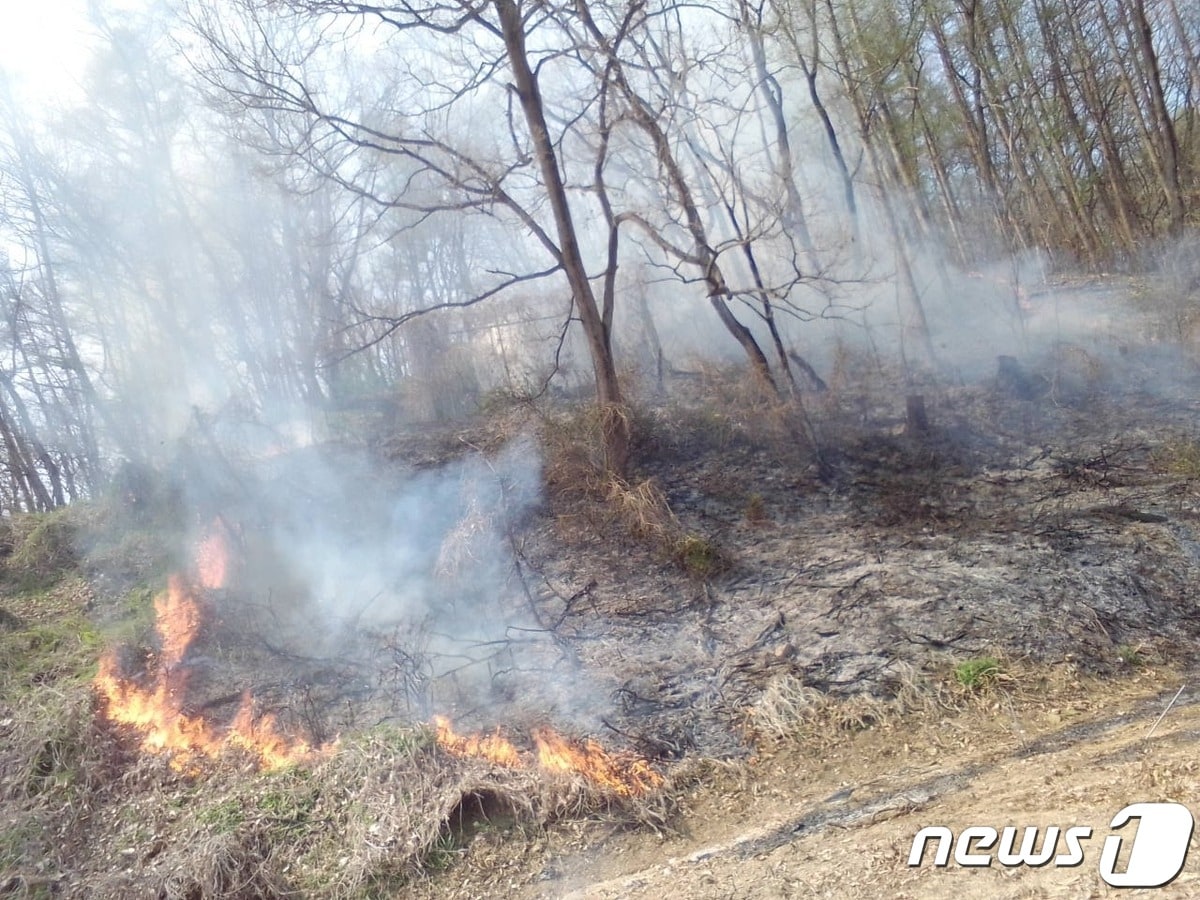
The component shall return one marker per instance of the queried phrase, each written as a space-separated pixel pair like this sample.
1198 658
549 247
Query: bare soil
837 817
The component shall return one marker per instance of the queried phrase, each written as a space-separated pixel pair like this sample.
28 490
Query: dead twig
1163 715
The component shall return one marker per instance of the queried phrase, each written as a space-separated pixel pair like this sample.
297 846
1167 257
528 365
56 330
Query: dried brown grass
467 545
789 710
572 443
727 407
643 509
86 811
604 502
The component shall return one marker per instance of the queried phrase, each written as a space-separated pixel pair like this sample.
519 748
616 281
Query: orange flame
157 711
260 736
493 747
177 619
623 774
212 557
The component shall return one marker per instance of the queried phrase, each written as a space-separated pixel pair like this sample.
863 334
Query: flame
493 747
212 557
177 619
157 710
623 774
259 735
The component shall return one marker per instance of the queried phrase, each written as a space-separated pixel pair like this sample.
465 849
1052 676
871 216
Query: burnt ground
1064 528
1048 510
773 623
1053 530
833 813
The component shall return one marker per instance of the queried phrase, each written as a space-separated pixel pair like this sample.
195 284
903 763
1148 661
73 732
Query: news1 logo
1157 856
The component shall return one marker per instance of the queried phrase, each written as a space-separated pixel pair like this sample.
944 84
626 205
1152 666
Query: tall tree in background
258 237
444 173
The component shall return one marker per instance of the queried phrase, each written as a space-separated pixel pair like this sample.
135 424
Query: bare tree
442 174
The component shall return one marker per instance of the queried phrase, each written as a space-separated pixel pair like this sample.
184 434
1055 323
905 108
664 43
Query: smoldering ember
596 450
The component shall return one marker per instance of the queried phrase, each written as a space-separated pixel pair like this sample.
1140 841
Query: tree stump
916 417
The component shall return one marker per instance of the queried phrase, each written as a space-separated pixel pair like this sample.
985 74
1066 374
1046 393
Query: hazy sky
43 44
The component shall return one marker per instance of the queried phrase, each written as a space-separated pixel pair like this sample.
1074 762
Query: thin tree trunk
37 450
615 424
1080 61
703 255
772 94
1168 140
975 129
1190 55
938 164
1165 174
1114 200
71 357
914 326
809 66
21 464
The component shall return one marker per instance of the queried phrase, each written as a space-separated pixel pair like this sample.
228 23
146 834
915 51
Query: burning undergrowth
154 703
328 592
256 740
91 817
362 602
622 774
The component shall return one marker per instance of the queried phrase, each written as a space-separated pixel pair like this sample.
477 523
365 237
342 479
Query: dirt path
839 820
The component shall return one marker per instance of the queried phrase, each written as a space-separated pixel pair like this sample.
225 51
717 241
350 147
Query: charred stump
916 416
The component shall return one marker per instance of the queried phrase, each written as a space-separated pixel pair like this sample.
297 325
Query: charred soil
824 622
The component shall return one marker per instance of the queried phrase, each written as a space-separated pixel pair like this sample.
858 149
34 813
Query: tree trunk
599 341
703 255
1169 141
772 95
1158 155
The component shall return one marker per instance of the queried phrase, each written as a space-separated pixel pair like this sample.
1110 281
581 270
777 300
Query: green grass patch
1180 458
975 674
43 544
698 556
1131 656
443 853
44 653
223 817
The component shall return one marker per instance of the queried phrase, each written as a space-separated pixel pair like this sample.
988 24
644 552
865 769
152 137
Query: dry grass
643 509
387 809
756 509
81 811
699 557
572 443
1179 457
722 408
605 502
467 545
86 812
42 544
88 538
788 710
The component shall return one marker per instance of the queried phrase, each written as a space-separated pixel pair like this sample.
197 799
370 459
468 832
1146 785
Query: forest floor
974 622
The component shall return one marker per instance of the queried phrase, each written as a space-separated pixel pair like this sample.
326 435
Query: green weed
975 674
